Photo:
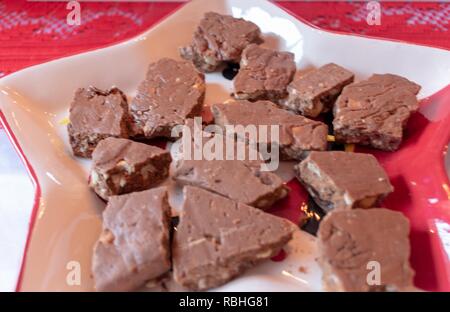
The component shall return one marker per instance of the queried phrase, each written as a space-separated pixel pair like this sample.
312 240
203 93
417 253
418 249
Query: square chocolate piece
94 116
297 134
217 239
134 246
172 91
242 181
316 91
218 39
374 112
365 250
264 74
342 180
121 166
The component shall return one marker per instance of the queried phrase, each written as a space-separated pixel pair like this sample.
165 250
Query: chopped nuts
107 237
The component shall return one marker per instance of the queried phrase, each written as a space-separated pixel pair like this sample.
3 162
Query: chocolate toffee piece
95 115
297 134
242 181
172 91
134 245
121 166
218 238
211 138
264 74
354 243
375 111
342 180
257 188
317 90
219 39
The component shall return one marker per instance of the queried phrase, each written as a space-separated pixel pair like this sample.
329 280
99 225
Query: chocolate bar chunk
219 174
218 238
134 245
264 74
342 180
121 166
317 90
365 250
172 91
255 187
218 39
375 111
297 134
94 116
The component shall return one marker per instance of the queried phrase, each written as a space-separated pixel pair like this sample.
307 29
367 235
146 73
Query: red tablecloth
36 32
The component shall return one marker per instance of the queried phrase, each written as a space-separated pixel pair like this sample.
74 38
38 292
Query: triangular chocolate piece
218 238
134 246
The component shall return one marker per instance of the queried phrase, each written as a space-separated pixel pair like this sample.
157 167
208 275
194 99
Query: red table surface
37 32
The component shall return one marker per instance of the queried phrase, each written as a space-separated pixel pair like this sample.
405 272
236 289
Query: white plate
34 100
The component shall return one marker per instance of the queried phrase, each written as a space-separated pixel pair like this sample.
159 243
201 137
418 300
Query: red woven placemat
35 32
417 22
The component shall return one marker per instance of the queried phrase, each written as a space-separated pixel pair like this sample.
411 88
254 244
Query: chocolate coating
264 74
218 39
94 115
342 180
316 91
255 188
121 166
134 245
351 241
218 238
375 111
172 91
297 134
